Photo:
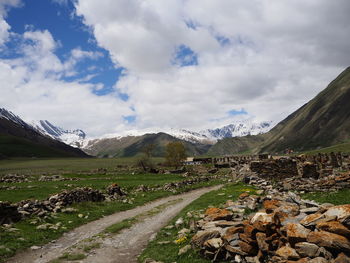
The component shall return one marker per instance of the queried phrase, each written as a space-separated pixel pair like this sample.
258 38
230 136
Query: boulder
201 236
318 260
306 249
248 248
342 212
213 244
296 233
312 220
329 240
342 258
287 252
334 227
214 214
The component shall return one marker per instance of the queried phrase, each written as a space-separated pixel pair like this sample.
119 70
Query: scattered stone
35 247
184 250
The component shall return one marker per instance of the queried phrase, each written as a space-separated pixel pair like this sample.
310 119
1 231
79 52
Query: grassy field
41 190
337 198
85 172
343 147
169 251
44 166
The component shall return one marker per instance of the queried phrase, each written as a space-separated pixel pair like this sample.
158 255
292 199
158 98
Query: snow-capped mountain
191 136
12 117
238 129
77 138
209 136
73 138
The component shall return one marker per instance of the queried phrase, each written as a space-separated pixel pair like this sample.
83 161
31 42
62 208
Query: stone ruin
321 172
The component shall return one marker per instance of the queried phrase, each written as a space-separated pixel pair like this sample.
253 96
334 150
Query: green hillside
322 122
11 146
133 145
236 145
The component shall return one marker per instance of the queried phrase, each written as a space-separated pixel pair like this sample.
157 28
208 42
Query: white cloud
274 56
4 26
31 86
279 55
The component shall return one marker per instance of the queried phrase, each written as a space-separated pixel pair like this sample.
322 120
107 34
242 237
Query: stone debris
285 229
53 178
115 190
175 185
14 212
14 178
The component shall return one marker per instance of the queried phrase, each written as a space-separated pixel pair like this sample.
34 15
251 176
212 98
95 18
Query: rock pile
68 197
175 185
8 213
55 203
115 189
53 178
286 229
14 178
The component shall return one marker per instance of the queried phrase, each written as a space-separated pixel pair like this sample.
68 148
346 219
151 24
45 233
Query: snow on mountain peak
12 117
78 138
238 129
73 138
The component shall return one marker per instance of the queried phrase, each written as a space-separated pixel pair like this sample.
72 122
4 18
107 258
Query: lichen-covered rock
306 249
287 252
296 233
334 227
200 237
329 240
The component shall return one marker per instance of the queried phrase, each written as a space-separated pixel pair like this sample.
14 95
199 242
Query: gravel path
123 247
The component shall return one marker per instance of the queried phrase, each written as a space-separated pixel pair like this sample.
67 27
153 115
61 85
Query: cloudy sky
110 66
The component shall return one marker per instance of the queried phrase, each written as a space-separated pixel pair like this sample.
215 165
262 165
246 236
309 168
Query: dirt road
123 247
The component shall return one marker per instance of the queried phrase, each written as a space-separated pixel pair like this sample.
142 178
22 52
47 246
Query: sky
112 66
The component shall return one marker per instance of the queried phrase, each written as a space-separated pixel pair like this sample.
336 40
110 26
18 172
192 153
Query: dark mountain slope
18 139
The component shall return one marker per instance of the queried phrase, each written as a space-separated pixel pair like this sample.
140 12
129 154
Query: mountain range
196 143
322 122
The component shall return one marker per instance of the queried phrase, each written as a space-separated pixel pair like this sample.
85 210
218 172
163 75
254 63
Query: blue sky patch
130 119
185 56
224 41
237 112
191 24
69 32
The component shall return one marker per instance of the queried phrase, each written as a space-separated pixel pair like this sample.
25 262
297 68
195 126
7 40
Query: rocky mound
285 229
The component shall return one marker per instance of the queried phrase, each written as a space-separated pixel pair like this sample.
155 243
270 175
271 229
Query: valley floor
123 247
